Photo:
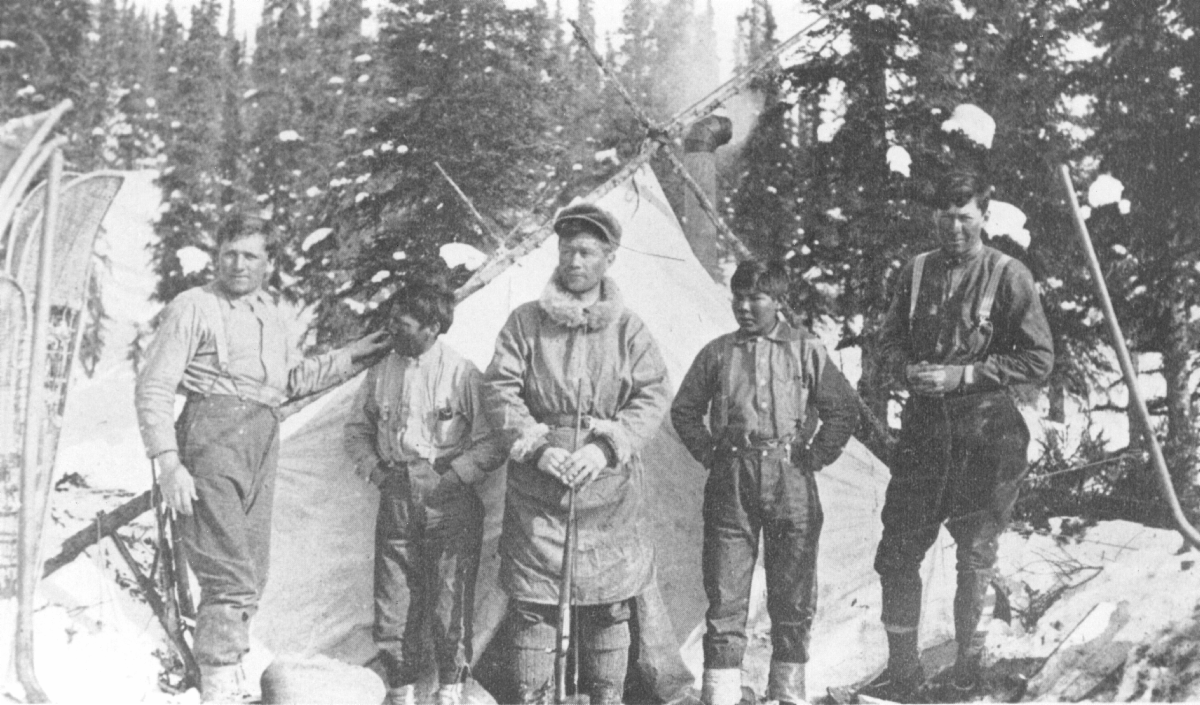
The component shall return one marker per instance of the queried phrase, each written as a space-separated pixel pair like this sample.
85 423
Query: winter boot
895 686
223 683
403 695
721 686
786 683
449 694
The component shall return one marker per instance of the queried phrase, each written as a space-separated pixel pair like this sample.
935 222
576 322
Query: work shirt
771 386
262 365
423 408
546 351
1013 347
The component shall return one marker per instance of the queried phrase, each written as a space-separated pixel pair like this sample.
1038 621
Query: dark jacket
804 384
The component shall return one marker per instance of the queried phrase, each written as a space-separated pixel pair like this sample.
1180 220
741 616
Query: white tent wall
319 596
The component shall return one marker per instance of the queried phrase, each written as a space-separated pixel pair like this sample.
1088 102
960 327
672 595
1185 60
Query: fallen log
103 526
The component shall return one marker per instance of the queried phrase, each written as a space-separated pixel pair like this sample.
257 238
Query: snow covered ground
96 642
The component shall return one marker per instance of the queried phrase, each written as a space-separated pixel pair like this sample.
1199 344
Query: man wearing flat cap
576 350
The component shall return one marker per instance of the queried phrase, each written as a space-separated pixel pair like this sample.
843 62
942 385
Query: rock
319 679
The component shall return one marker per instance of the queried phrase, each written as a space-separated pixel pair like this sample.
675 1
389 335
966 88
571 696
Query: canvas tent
319 597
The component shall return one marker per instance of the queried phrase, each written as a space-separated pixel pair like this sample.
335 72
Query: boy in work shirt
763 387
417 432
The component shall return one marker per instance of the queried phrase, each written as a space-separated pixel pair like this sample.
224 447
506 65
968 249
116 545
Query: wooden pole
487 230
35 416
104 525
1166 488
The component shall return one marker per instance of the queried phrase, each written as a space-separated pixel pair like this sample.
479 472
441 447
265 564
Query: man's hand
933 380
584 464
554 462
369 348
178 487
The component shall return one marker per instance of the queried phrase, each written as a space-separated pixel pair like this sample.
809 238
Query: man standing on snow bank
578 336
225 345
763 388
965 325
417 432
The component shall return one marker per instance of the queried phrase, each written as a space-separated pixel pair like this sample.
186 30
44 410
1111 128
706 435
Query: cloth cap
599 220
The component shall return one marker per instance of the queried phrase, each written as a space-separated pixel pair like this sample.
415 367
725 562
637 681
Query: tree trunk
1181 435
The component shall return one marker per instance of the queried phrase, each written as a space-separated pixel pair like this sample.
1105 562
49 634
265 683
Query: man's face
582 262
959 228
756 312
243 265
409 337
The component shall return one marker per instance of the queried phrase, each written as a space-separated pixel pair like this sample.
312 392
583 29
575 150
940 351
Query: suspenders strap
989 291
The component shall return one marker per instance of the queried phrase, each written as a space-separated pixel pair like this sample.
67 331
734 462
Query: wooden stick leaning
566 583
1165 486
487 230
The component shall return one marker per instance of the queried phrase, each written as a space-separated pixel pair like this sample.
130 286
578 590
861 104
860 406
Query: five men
764 388
226 346
578 384
575 389
418 433
965 325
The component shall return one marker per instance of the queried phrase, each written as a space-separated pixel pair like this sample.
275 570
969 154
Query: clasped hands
933 380
573 469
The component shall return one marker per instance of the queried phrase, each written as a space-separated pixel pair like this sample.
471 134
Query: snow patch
314 237
1008 220
899 160
289 136
192 259
973 122
1104 190
458 253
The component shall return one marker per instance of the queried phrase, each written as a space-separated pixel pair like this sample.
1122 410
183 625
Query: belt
753 444
567 421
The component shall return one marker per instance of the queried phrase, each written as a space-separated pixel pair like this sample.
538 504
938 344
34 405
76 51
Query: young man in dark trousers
764 387
965 325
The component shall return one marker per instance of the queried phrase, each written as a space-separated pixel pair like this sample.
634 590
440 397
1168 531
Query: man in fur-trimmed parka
578 330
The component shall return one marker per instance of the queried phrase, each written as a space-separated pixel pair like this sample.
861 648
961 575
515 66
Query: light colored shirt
261 363
423 408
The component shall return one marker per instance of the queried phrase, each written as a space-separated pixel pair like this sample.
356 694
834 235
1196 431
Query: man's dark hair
770 278
429 300
958 187
238 225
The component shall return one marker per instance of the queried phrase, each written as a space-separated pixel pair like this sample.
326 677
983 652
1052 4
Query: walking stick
565 584
1189 532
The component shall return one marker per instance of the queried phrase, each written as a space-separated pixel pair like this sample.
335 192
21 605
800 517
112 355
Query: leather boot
721 686
222 683
786 683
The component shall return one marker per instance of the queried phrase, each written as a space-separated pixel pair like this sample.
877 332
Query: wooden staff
1166 489
565 585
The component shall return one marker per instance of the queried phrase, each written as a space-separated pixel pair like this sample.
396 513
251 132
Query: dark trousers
603 635
748 493
426 562
960 461
231 448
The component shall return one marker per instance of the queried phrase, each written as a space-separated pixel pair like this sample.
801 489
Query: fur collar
565 310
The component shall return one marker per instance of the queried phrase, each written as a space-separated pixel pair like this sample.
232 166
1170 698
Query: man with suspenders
225 345
965 325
